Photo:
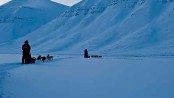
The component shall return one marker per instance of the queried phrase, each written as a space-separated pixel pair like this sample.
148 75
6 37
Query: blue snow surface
75 77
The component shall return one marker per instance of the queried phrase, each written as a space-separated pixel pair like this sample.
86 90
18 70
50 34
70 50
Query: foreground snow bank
92 78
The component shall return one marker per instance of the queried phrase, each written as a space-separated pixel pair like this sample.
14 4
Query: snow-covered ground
75 77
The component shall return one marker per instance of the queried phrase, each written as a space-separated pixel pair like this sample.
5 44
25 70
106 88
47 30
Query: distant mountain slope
142 27
20 17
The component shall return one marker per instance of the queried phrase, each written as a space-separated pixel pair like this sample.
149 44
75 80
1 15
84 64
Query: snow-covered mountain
20 17
142 27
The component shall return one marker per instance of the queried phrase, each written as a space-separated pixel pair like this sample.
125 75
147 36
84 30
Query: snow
106 27
19 18
135 38
75 77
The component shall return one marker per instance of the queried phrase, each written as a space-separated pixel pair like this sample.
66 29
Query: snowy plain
75 77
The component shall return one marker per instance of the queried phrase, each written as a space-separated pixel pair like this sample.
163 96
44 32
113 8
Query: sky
4 1
66 2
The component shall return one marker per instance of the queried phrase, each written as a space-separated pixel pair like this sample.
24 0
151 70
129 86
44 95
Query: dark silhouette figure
26 53
43 59
33 60
49 58
39 58
86 54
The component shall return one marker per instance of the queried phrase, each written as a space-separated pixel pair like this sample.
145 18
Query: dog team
26 57
41 59
44 58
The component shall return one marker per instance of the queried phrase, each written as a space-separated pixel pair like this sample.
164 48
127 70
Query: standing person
86 54
26 53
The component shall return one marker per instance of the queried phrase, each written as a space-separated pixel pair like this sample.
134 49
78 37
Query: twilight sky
3 1
66 2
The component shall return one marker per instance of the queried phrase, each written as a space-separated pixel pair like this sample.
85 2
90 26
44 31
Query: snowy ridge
20 17
109 27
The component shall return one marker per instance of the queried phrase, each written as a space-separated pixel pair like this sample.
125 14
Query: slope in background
139 27
19 18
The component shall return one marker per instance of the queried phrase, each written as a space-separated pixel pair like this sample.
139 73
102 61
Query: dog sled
32 60
44 58
96 56
41 59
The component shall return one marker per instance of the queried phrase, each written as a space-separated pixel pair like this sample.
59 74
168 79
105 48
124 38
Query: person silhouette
26 53
86 54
